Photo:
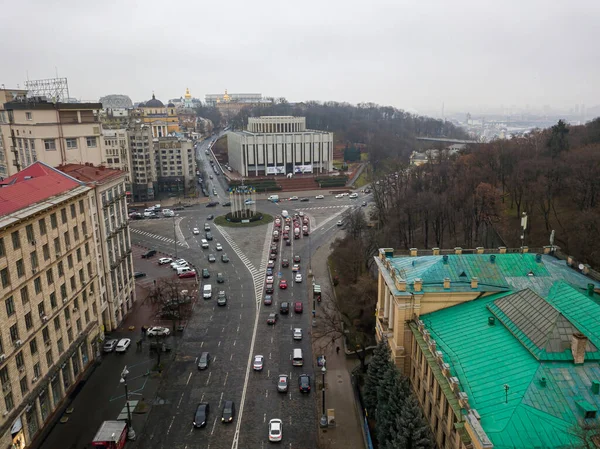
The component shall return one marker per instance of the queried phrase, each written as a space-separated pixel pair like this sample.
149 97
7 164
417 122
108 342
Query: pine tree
393 392
414 432
379 364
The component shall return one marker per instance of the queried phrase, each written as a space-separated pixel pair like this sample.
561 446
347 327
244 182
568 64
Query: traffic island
257 219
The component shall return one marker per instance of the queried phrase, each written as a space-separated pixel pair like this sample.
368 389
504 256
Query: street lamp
324 416
130 431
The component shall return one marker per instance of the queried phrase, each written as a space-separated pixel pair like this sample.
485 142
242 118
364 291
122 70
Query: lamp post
324 416
175 236
130 431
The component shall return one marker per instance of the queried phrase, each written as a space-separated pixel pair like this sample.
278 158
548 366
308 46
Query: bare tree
587 431
172 300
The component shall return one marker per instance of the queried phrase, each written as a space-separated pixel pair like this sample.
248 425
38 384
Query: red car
188 274
283 284
298 307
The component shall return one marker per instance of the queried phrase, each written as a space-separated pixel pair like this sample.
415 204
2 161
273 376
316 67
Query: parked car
296 259
298 277
275 430
178 262
206 227
110 345
210 217
158 331
208 236
149 254
164 260
212 204
123 345
201 415
269 289
222 298
205 273
226 204
296 267
340 223
219 247
304 199
269 280
139 274
258 363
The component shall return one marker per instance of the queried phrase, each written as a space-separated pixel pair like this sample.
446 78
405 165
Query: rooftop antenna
523 227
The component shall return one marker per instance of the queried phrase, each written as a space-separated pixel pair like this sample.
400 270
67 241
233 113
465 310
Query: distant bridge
442 140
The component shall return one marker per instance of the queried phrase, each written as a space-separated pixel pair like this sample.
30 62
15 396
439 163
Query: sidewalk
339 394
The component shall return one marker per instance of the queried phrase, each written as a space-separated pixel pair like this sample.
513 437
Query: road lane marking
202 398
220 400
234 342
231 357
208 380
269 356
265 418
170 425
213 427
225 382
219 345
201 344
189 377
267 393
180 399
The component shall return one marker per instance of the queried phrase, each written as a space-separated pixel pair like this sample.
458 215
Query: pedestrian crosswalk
337 206
157 237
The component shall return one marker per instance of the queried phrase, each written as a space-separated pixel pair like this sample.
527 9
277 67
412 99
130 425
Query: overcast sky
414 55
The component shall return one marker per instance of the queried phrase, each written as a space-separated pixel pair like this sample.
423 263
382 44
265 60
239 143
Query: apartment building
50 322
34 129
112 239
116 148
142 163
501 346
175 165
6 95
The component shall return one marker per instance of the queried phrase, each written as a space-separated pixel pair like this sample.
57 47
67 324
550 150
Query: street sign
279 274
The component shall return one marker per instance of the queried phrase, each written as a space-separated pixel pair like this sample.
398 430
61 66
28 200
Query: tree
587 431
558 142
391 397
413 432
172 300
380 363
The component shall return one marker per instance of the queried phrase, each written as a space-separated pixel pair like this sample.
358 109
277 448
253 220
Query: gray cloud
410 54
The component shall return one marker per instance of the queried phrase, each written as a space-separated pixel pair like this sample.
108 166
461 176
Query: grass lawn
362 180
364 157
222 221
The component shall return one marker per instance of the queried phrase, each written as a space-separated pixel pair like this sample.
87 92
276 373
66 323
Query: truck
273 198
296 233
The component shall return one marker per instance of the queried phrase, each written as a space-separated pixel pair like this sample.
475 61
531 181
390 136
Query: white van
204 243
284 214
181 270
297 359
207 291
273 198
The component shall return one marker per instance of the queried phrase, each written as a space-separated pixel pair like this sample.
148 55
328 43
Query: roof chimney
418 284
445 258
578 344
446 283
493 258
538 258
590 290
474 282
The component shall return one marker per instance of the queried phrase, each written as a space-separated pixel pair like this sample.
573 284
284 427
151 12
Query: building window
70 335
14 332
87 316
46 251
71 144
60 346
91 142
73 284
28 116
46 335
81 206
57 245
50 144
75 232
16 241
53 300
73 211
20 268
70 260
5 278
24 386
42 224
81 276
33 346
41 309
53 221
63 292
49 277
10 306
29 232
37 284
63 215
20 360
2 249
78 254
78 323
28 321
67 239
49 358
61 269
25 295
57 324
8 400
84 228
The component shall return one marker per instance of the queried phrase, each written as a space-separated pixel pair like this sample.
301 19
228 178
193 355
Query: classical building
142 163
162 119
279 145
175 165
115 263
187 101
501 347
34 129
51 320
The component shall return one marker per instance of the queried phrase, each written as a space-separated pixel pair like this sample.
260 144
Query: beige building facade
111 234
54 133
116 149
175 164
142 165
50 318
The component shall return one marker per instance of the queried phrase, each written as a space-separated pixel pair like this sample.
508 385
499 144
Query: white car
319 197
258 362
339 223
340 195
158 331
177 262
275 430
249 202
219 247
293 198
164 260
196 231
123 345
298 277
180 265
269 280
297 333
353 195
295 267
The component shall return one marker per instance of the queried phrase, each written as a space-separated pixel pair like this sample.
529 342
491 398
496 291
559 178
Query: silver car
282 383
110 345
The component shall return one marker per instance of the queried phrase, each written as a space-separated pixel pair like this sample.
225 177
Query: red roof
89 173
31 185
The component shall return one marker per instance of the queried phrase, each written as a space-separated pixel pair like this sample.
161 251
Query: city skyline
415 57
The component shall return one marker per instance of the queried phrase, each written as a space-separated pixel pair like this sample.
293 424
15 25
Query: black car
212 204
304 383
226 204
268 300
224 258
139 274
208 236
203 361
205 273
149 254
228 412
220 278
304 199
201 416
284 308
210 217
288 242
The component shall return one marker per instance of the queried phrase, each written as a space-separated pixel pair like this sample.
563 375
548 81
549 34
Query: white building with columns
275 145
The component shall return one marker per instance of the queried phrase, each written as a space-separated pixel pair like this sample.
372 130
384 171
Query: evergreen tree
392 394
379 364
414 431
